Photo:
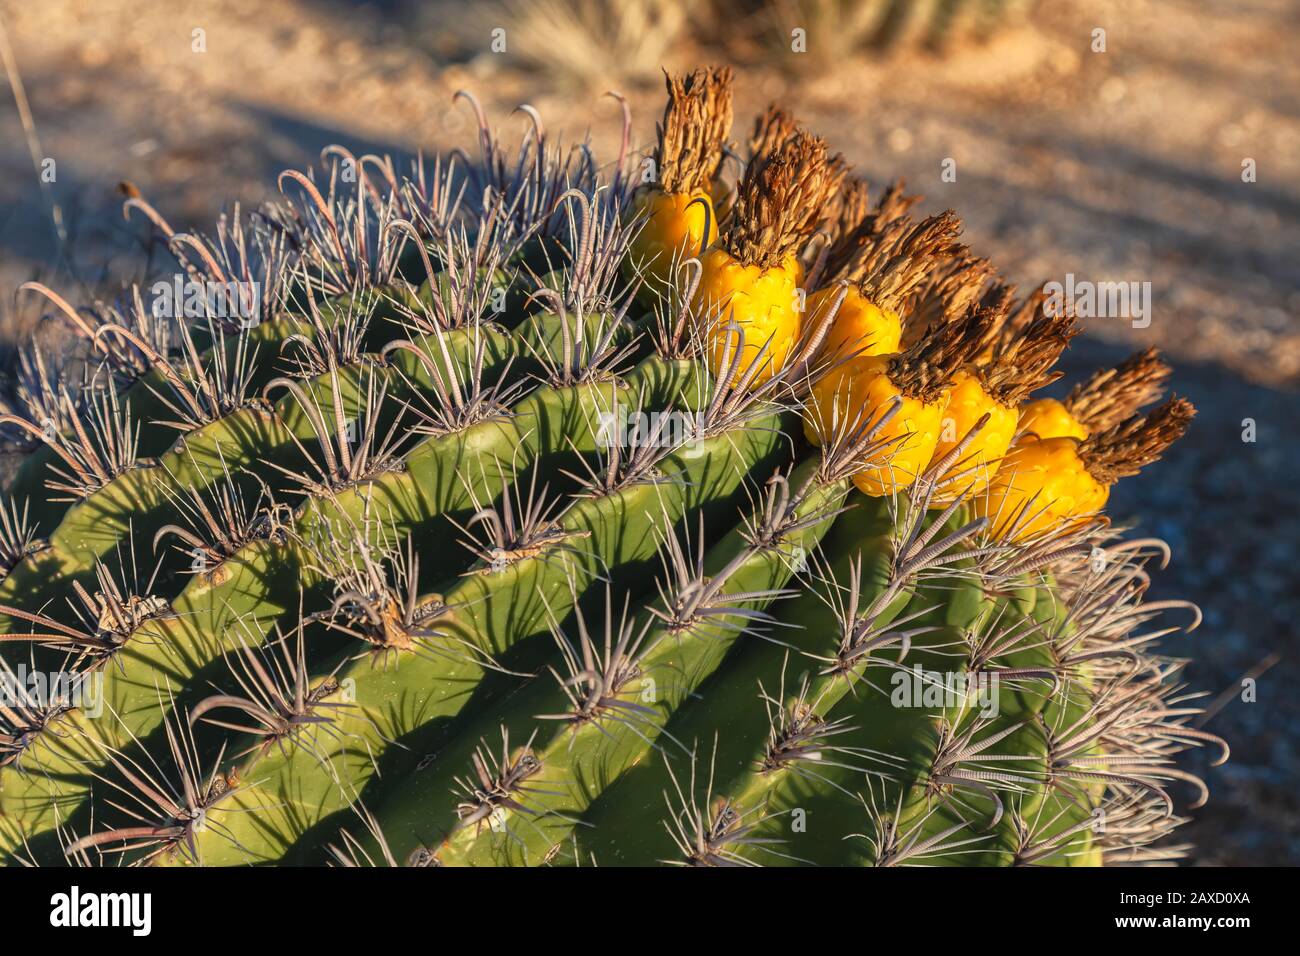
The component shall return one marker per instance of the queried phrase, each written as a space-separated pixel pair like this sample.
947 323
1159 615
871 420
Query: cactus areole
527 510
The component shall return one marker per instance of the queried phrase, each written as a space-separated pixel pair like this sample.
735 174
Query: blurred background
1116 140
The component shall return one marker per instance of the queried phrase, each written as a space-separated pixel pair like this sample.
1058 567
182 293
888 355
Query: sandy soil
1123 165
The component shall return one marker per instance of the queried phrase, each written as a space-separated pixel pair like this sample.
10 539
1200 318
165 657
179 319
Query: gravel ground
1117 166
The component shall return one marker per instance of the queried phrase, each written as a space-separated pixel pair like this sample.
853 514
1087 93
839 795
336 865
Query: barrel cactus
519 509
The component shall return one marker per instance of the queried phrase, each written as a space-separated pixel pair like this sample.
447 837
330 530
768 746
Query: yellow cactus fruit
859 328
1040 487
676 210
1056 484
1049 418
748 294
883 275
1022 357
676 227
761 301
1106 398
968 402
861 390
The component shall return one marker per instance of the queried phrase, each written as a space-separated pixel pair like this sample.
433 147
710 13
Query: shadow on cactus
519 509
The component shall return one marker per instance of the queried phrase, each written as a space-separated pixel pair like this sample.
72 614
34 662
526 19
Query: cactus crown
953 286
858 239
1027 343
1018 314
773 128
849 207
1126 448
780 201
694 132
890 269
925 370
1110 396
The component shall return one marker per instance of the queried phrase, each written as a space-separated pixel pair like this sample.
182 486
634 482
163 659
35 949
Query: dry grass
591 43
835 31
